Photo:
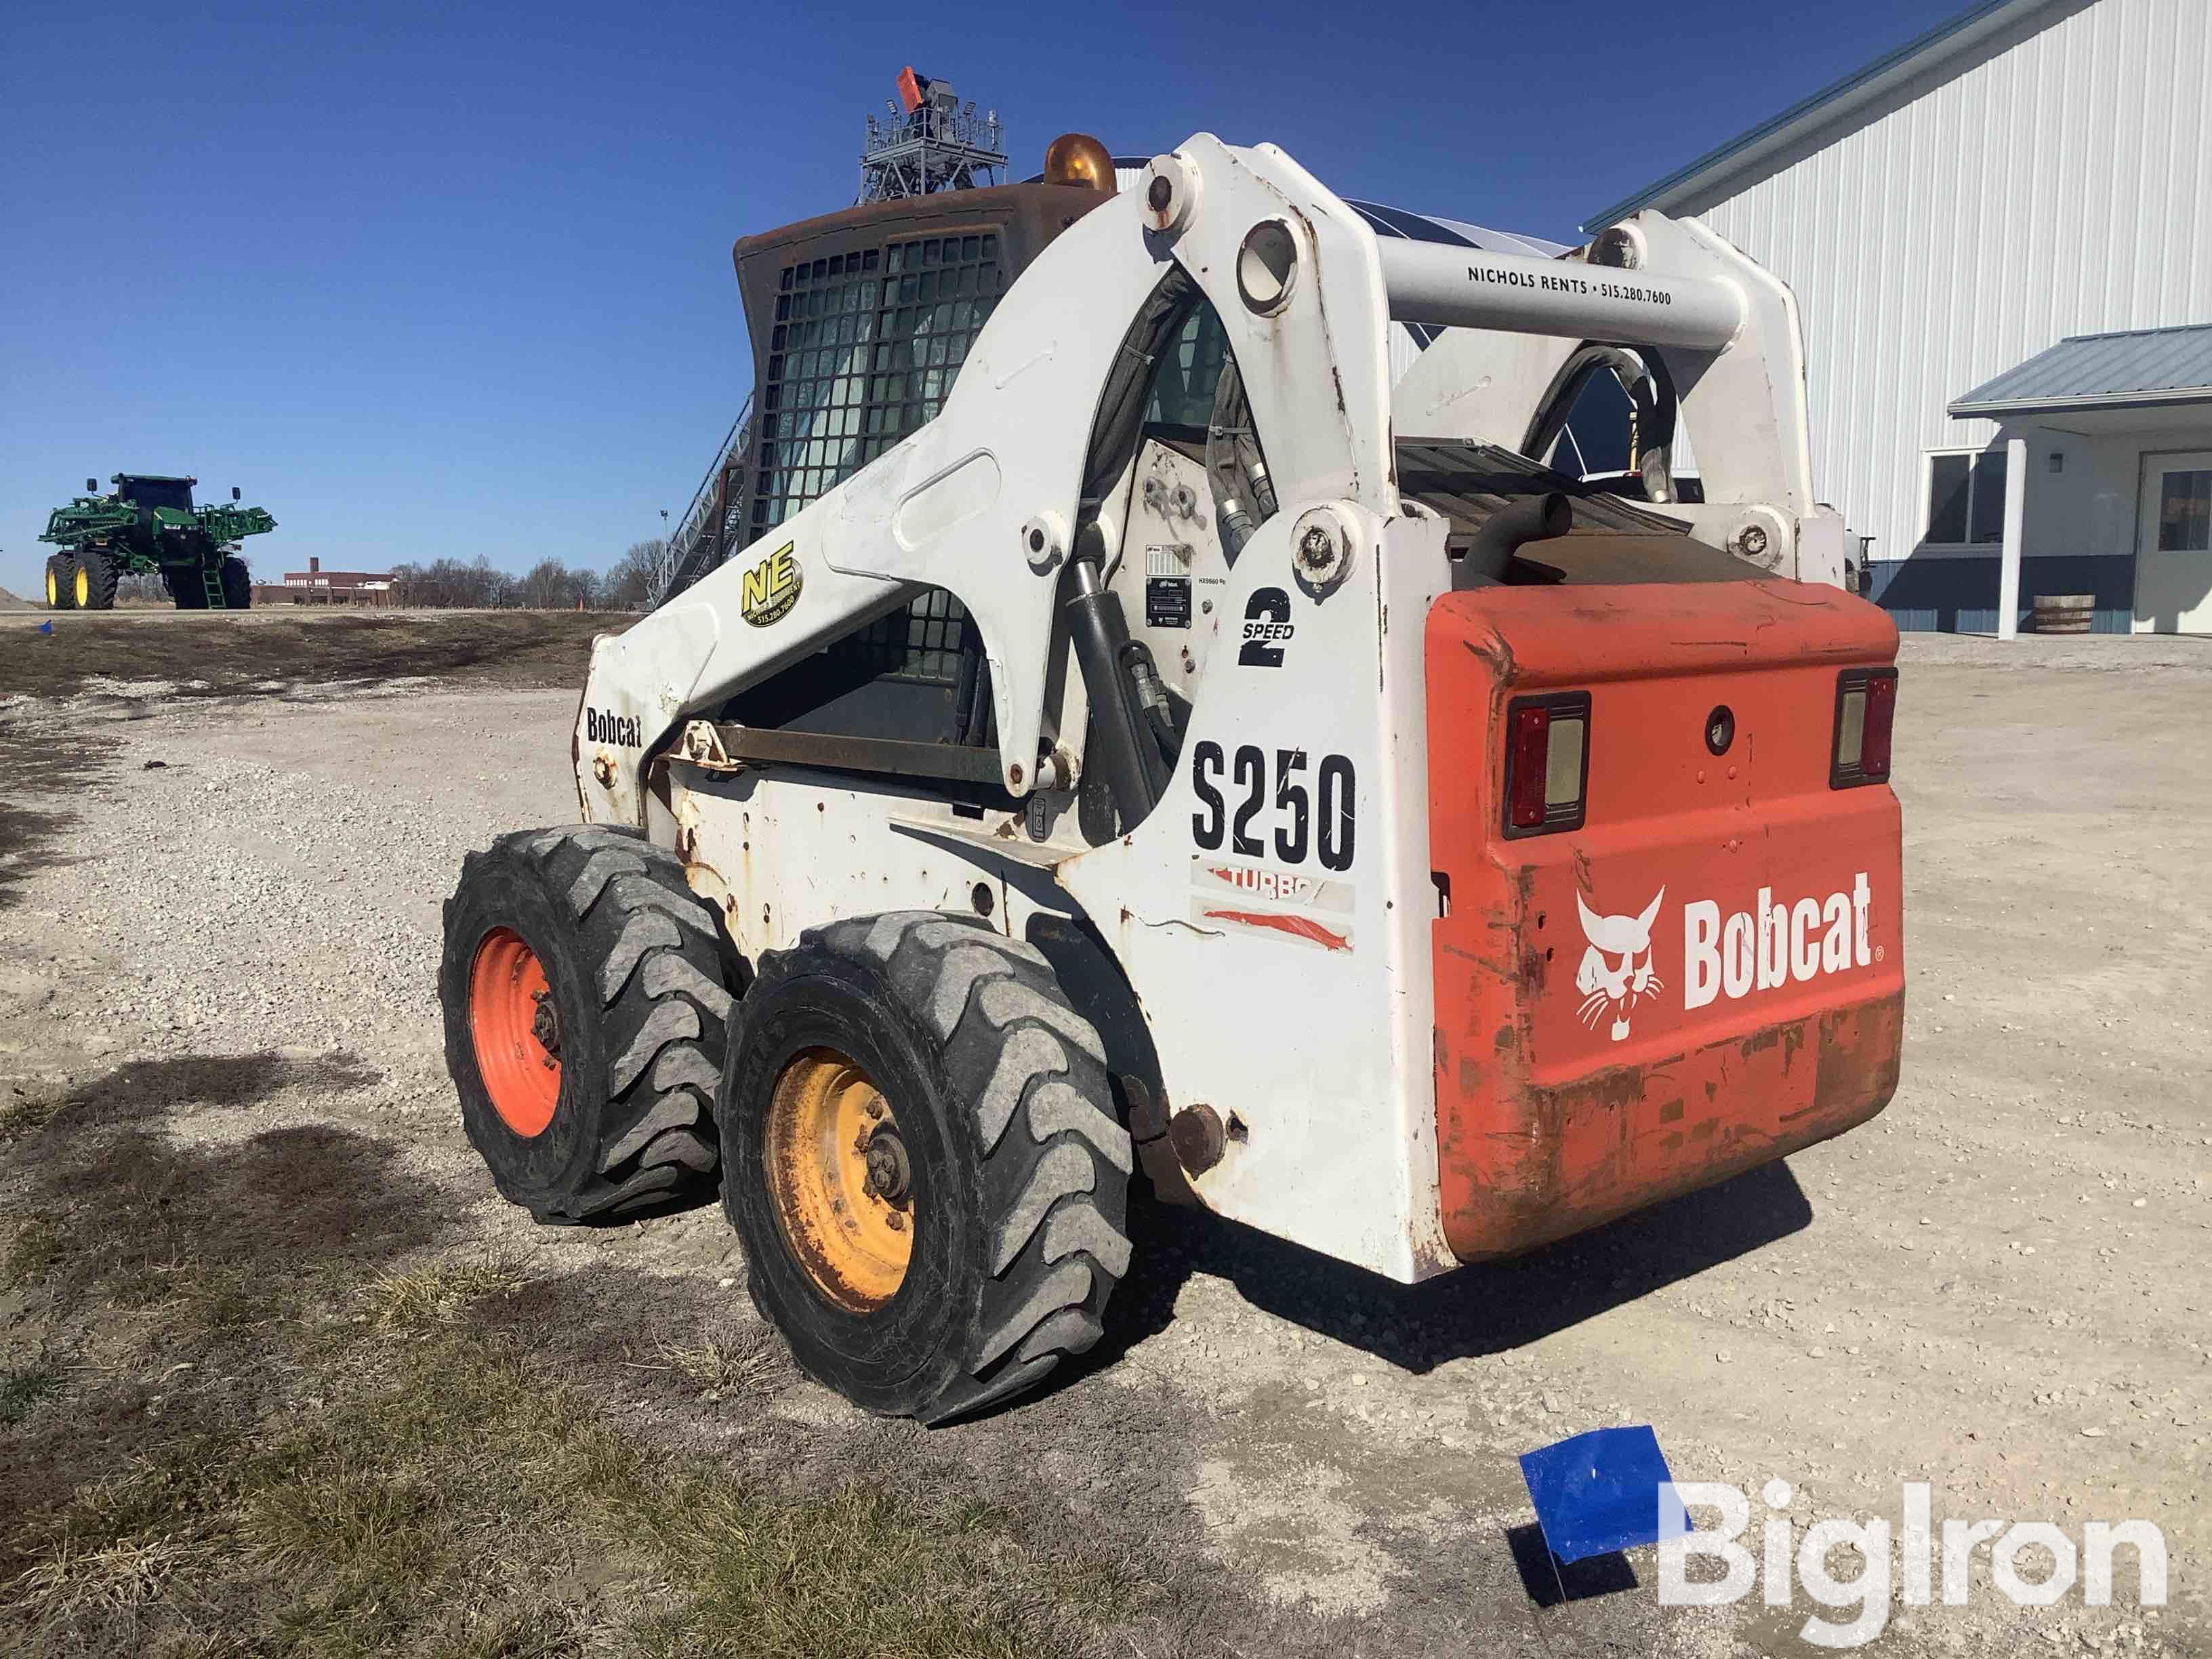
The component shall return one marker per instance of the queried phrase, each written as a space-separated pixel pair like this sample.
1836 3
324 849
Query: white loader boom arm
1728 338
984 499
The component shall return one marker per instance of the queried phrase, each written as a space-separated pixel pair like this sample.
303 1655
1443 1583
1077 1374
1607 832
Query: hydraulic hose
1120 748
1533 518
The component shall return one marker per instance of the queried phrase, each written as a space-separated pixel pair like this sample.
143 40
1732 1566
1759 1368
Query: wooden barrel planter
2064 613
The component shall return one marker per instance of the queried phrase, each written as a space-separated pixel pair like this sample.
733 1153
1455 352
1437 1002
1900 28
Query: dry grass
73 1582
450 1497
398 1472
209 654
121 1542
723 1367
292 1416
22 1387
24 1113
439 1295
31 1252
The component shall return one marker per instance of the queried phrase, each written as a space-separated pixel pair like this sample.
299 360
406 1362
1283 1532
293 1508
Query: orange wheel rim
517 1031
838 1179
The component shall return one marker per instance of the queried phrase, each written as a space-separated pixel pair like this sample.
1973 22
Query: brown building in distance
316 585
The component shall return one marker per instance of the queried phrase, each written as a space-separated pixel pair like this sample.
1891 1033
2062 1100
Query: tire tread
652 955
1057 1160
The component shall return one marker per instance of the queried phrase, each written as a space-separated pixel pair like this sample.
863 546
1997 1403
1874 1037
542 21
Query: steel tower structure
931 142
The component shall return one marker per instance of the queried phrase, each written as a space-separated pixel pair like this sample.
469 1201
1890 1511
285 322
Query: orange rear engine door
1692 962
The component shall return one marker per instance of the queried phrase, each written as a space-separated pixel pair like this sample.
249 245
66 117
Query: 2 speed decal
1308 819
1267 629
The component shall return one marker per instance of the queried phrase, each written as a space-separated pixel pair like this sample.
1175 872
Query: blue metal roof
1915 57
2102 371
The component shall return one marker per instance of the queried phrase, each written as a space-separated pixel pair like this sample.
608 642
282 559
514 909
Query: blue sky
452 279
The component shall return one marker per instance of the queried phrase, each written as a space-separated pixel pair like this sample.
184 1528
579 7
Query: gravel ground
1998 1287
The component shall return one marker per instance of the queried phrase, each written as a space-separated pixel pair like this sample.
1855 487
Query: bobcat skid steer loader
1146 759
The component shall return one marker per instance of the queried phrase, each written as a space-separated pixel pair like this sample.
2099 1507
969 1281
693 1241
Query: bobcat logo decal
1617 970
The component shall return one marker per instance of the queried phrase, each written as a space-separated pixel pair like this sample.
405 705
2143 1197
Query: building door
2173 554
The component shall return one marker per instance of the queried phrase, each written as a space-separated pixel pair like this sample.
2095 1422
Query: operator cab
861 321
151 490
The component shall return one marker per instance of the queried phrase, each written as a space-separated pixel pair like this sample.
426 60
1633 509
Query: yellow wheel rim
838 1180
83 586
53 592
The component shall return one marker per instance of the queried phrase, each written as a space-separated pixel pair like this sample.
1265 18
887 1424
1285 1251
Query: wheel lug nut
895 1222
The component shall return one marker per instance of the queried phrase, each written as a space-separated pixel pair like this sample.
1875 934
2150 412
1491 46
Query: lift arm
985 500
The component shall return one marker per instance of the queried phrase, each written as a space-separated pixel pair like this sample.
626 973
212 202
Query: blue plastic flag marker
45 628
1600 1492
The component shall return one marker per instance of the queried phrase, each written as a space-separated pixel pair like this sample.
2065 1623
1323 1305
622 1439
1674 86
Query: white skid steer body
1270 907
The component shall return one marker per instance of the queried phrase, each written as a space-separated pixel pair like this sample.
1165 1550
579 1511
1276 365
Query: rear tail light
1547 762
1866 708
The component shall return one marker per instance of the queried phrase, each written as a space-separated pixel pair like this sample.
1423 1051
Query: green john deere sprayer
150 525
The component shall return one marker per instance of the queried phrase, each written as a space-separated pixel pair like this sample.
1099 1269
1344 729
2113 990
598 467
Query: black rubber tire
101 573
632 959
187 592
1020 1171
237 585
62 591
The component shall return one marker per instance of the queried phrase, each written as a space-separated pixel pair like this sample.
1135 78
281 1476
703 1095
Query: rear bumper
1525 1165
1705 971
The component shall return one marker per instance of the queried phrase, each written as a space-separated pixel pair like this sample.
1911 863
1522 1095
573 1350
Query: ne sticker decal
771 588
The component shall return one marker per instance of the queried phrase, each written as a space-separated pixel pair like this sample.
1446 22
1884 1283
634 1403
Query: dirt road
220 1055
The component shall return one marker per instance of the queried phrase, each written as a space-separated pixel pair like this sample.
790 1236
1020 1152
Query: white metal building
2001 239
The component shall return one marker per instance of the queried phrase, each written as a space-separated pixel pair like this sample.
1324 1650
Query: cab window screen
152 492
1183 379
864 349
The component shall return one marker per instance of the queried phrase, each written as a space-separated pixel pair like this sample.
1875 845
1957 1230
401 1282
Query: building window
1966 498
2184 513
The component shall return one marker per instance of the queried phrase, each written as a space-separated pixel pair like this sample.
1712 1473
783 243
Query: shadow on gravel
112 1198
140 1089
47 765
144 1088
124 1238
1549 1581
1480 1310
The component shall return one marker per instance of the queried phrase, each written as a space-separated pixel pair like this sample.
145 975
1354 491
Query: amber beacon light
1077 158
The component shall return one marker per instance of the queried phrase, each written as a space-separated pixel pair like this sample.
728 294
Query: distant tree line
635 582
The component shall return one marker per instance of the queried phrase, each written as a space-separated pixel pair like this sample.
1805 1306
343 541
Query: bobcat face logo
1616 971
